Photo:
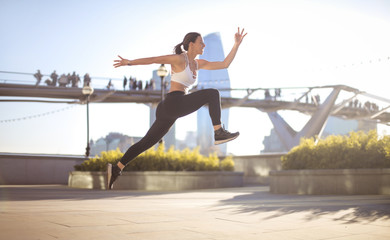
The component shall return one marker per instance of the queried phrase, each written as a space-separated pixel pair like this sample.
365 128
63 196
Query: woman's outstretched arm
173 59
204 64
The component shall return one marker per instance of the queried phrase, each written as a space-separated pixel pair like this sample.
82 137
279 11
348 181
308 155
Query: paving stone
58 212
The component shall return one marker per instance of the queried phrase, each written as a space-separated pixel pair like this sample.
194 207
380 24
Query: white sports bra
185 77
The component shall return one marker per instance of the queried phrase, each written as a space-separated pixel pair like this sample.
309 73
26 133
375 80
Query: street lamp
162 72
87 91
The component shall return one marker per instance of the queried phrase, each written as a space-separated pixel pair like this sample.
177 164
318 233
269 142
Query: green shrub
227 164
357 150
100 163
160 160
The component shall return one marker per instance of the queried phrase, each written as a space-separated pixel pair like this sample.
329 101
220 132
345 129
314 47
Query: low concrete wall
256 168
36 168
18 168
160 181
332 181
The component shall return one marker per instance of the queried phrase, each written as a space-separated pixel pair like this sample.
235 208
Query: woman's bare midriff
175 86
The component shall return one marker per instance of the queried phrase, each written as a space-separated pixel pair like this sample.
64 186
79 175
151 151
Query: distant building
272 143
189 141
111 142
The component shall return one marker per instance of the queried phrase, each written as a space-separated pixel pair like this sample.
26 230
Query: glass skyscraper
218 79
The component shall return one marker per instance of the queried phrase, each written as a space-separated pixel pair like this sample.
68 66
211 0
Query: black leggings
174 106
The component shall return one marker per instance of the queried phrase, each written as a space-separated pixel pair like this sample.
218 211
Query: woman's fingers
242 32
120 62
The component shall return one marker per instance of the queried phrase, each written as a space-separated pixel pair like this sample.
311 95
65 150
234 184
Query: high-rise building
218 79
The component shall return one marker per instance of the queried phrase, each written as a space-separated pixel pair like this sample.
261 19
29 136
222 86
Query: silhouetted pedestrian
146 85
131 82
139 85
124 83
38 76
54 78
87 80
109 85
73 80
63 80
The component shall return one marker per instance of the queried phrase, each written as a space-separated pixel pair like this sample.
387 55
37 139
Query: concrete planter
256 168
332 181
158 180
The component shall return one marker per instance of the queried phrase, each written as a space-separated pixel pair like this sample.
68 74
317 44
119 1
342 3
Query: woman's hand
121 62
239 36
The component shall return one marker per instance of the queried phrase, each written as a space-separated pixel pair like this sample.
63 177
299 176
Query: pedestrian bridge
340 101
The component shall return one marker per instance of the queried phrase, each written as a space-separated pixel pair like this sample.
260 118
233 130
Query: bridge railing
349 98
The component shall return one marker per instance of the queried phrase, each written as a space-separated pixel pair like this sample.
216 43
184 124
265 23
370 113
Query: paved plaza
60 212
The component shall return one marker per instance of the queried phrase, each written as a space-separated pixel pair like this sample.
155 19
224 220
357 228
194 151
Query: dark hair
189 37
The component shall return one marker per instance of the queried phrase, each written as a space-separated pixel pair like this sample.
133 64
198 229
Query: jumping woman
178 103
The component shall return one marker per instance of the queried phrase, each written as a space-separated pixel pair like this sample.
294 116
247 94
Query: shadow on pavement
347 208
255 199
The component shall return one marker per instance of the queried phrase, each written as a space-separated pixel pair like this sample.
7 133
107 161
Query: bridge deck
75 95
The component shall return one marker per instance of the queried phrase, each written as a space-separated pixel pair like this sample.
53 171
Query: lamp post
87 91
162 72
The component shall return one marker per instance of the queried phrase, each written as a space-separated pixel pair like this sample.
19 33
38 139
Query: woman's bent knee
212 92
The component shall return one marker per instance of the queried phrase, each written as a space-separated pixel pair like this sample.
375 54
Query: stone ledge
331 181
156 181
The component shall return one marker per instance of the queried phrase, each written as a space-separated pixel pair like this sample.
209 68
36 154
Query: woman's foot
222 136
113 172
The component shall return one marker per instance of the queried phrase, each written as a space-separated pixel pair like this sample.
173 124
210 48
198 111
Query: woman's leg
155 133
181 105
159 128
185 104
192 102
169 111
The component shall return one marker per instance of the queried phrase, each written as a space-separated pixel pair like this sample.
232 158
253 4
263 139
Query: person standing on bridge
177 102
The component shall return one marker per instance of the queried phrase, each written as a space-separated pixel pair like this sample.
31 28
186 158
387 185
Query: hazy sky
290 43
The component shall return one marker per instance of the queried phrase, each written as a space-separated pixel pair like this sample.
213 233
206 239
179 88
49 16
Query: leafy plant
357 150
160 160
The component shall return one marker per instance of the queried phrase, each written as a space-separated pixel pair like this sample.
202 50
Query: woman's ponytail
177 49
